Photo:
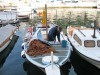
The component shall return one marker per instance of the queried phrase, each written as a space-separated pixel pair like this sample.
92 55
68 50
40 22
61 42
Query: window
98 43
77 39
89 43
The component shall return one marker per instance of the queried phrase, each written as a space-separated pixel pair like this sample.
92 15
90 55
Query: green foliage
35 20
79 20
61 22
71 18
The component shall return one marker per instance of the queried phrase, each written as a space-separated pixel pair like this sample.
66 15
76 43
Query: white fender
23 54
24 48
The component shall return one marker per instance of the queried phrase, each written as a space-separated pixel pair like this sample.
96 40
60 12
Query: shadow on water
8 49
65 69
32 69
82 67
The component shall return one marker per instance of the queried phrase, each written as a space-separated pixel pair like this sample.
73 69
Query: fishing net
37 47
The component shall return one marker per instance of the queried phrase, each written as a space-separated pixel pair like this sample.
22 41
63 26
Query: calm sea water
14 64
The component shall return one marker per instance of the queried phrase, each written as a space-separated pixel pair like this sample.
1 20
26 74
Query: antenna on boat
94 36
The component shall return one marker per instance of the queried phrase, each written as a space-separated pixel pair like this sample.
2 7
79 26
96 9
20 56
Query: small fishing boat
86 43
47 55
56 56
6 35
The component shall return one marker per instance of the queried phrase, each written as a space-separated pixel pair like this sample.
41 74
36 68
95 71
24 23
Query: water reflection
65 69
82 67
4 54
2 62
32 69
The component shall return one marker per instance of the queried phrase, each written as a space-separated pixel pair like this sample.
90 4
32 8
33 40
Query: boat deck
62 53
6 33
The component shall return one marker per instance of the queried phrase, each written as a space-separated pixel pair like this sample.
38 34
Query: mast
46 21
56 16
94 36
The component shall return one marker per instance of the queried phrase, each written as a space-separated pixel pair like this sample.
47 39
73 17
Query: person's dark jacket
53 33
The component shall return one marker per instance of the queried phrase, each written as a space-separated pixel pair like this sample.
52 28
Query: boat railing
81 33
98 31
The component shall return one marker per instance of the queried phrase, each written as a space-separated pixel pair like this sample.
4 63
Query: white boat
98 4
23 11
9 17
51 62
86 43
6 35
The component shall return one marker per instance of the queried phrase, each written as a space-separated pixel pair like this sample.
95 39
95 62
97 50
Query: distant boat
98 4
51 62
24 11
86 42
9 17
6 35
12 17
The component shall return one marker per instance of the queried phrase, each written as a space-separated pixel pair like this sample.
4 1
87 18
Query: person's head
59 29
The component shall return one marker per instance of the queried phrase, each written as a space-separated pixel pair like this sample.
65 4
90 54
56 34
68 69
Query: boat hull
3 47
6 36
83 52
90 60
62 53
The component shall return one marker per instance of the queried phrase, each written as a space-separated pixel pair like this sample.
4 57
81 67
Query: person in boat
55 31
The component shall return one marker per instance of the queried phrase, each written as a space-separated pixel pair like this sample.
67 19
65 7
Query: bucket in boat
64 43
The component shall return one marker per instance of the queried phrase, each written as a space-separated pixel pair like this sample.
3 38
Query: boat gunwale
66 58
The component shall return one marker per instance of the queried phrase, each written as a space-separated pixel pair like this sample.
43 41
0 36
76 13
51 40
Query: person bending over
55 31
